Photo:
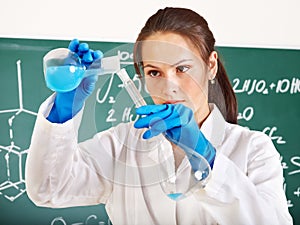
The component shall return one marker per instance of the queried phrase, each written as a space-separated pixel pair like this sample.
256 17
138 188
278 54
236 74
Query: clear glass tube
133 92
176 183
106 65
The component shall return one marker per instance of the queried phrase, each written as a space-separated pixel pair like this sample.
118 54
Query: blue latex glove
68 104
177 123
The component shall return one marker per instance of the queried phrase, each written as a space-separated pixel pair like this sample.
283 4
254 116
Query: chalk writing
92 219
297 192
125 56
98 91
247 114
289 202
128 116
296 162
283 163
13 187
270 131
251 86
288 85
110 118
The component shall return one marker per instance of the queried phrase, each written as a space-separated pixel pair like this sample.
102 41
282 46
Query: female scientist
194 108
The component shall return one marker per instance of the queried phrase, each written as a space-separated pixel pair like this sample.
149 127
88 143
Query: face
175 73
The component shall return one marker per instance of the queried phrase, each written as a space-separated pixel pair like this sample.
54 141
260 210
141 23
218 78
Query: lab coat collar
213 127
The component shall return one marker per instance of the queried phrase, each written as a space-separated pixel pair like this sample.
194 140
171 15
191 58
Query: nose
171 83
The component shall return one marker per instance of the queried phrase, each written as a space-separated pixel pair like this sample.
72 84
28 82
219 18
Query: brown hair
194 27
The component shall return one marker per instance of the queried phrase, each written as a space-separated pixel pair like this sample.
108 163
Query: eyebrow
175 64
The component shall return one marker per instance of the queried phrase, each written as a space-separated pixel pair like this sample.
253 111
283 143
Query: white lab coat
120 169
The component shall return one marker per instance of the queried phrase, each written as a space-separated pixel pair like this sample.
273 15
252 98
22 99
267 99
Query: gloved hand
177 123
68 104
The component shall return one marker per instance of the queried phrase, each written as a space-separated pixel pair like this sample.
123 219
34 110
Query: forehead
168 48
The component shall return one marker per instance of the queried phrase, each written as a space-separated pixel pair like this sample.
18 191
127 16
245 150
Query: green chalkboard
266 82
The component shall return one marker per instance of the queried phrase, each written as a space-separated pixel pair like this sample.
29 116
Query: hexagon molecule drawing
12 156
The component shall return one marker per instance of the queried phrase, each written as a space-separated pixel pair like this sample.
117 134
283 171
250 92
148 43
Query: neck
201 114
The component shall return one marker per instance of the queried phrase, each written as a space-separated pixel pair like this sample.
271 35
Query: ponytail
222 94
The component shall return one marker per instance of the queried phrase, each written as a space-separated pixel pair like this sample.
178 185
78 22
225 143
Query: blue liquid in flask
64 78
175 196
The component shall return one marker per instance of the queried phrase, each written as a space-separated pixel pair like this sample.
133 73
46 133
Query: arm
246 184
59 172
62 173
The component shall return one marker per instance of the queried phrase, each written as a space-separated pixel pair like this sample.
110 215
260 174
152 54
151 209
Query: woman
119 167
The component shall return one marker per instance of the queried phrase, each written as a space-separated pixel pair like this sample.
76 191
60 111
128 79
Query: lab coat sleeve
62 173
254 196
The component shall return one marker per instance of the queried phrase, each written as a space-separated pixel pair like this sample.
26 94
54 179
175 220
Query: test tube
131 88
106 65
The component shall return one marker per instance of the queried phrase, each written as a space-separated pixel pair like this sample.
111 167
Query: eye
153 73
182 69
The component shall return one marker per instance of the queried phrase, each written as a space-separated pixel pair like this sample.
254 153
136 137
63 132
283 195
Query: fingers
153 112
162 118
90 56
159 119
87 58
74 44
83 47
86 54
161 126
97 54
150 109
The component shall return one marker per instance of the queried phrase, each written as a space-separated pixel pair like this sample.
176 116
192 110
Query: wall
256 23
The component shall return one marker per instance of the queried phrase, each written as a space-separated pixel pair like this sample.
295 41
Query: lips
173 101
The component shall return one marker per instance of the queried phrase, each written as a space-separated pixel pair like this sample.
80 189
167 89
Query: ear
213 65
